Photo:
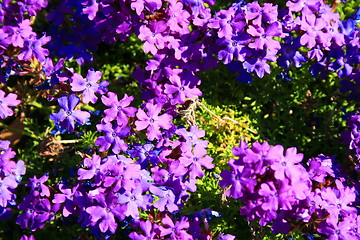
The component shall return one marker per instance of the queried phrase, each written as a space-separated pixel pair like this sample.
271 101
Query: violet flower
88 86
6 102
105 212
119 109
152 121
67 116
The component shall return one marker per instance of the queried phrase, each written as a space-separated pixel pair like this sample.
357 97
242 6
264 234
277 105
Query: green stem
88 107
19 131
38 105
69 141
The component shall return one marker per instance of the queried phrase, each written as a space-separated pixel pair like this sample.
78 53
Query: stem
19 131
38 105
69 141
225 118
88 107
211 112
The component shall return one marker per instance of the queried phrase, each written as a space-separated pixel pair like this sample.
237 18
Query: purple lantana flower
67 116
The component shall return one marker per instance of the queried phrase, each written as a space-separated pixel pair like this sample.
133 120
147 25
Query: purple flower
119 110
38 187
167 198
122 176
176 230
7 184
33 47
192 137
69 197
313 28
146 153
17 35
31 6
289 54
337 231
113 137
149 229
285 165
88 86
67 116
320 167
150 5
179 90
105 211
133 200
92 7
153 36
195 160
234 48
264 38
152 121
96 168
25 237
258 62
5 102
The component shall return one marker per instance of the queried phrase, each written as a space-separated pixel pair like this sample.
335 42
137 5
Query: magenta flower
6 102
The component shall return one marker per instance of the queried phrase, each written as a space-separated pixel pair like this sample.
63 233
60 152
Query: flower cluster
278 190
145 164
10 177
351 137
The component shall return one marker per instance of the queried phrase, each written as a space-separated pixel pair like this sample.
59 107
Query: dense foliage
179 119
